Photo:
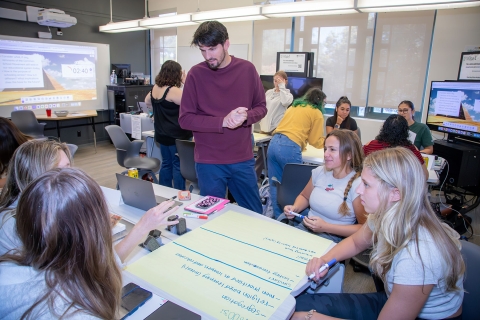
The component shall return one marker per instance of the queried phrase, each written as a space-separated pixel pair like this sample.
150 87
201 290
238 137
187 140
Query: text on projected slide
34 72
233 265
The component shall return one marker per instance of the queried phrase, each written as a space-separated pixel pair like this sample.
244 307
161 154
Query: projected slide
39 74
455 105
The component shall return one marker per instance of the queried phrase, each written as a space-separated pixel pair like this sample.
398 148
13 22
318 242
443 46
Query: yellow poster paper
235 264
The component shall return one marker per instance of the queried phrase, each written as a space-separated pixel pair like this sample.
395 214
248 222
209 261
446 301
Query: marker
297 215
195 216
172 198
322 268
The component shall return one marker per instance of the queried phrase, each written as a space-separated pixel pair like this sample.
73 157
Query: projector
55 18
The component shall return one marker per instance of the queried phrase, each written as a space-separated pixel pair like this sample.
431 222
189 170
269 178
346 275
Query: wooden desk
90 114
133 215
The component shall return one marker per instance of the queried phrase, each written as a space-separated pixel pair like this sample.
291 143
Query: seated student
32 159
330 193
417 257
302 123
420 134
10 139
341 117
394 133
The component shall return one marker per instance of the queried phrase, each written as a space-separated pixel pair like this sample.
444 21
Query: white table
133 215
313 155
261 140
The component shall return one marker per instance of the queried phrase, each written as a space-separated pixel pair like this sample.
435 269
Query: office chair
295 178
186 153
471 284
359 133
27 123
128 153
73 148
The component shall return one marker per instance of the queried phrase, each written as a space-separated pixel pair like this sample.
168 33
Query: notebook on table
139 193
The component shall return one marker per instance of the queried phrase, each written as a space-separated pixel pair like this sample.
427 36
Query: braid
343 209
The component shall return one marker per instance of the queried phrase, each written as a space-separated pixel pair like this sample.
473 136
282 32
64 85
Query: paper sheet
235 264
136 127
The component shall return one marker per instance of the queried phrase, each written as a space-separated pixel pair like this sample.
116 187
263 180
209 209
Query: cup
49 112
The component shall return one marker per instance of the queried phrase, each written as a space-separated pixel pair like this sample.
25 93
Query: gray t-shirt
327 196
407 269
21 287
8 230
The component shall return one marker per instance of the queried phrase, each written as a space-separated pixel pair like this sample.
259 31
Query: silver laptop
139 193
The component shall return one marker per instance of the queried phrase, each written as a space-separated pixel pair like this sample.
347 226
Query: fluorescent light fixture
320 7
229 15
168 21
411 5
124 26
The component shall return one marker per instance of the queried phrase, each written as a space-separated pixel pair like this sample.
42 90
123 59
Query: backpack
267 209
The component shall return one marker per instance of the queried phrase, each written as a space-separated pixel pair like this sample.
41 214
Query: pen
196 216
297 215
329 264
173 198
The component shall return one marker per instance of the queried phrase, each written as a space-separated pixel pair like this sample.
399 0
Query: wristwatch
310 314
337 126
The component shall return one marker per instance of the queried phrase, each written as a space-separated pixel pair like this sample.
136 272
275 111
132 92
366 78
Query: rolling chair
295 178
471 284
185 150
73 148
27 123
128 153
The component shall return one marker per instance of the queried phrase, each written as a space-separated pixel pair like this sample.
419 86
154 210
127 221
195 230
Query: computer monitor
454 108
298 86
122 70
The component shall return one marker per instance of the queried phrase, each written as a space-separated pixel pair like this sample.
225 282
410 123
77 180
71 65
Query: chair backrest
27 123
73 148
186 153
295 178
120 141
359 133
471 284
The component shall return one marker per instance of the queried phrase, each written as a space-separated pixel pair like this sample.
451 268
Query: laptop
139 193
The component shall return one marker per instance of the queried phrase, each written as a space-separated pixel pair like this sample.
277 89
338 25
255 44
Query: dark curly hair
394 131
341 101
170 74
314 97
210 34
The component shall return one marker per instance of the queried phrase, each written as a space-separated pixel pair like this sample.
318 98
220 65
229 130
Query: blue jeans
170 169
281 151
240 178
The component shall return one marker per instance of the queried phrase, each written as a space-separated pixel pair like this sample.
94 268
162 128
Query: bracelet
310 314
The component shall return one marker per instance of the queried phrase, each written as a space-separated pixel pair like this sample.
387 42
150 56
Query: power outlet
79 133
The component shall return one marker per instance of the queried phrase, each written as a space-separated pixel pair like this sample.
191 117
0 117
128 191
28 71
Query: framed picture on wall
469 66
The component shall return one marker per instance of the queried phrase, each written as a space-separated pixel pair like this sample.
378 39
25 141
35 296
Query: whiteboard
190 56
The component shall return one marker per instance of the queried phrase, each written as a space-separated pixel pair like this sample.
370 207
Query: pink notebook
207 205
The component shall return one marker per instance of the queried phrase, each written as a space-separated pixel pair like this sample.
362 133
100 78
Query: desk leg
58 130
94 134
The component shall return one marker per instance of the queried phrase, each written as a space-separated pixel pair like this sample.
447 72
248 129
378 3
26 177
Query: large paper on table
233 264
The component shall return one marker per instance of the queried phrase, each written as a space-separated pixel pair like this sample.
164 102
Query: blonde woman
330 193
417 257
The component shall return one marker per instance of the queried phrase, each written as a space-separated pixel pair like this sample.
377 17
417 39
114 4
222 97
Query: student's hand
287 210
339 120
313 266
158 216
316 224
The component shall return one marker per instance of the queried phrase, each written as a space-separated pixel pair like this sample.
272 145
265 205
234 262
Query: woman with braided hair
330 193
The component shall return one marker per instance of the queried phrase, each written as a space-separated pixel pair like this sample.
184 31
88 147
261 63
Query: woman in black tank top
164 100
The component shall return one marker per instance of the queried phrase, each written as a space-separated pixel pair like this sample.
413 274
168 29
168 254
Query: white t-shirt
276 103
327 196
407 269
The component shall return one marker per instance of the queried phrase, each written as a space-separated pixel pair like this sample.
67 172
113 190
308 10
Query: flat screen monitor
122 70
298 86
454 108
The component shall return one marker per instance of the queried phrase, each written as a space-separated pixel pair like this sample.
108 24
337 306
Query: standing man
222 98
419 133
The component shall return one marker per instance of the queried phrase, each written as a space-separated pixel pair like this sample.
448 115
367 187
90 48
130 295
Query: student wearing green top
420 134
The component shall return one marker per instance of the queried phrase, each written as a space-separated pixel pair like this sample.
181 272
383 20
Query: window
163 46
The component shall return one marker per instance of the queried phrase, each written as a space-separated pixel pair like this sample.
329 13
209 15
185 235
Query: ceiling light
124 26
168 21
411 5
230 15
320 7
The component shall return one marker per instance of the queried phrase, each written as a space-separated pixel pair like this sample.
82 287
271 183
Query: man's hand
235 118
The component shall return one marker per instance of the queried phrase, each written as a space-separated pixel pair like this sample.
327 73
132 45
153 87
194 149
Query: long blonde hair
395 225
63 223
349 145
30 160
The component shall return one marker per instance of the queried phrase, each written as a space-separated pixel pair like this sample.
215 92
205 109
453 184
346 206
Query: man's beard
217 65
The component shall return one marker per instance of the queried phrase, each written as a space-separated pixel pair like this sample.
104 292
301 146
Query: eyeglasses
403 110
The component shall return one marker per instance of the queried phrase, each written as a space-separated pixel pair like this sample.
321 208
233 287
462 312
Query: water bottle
115 78
112 77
